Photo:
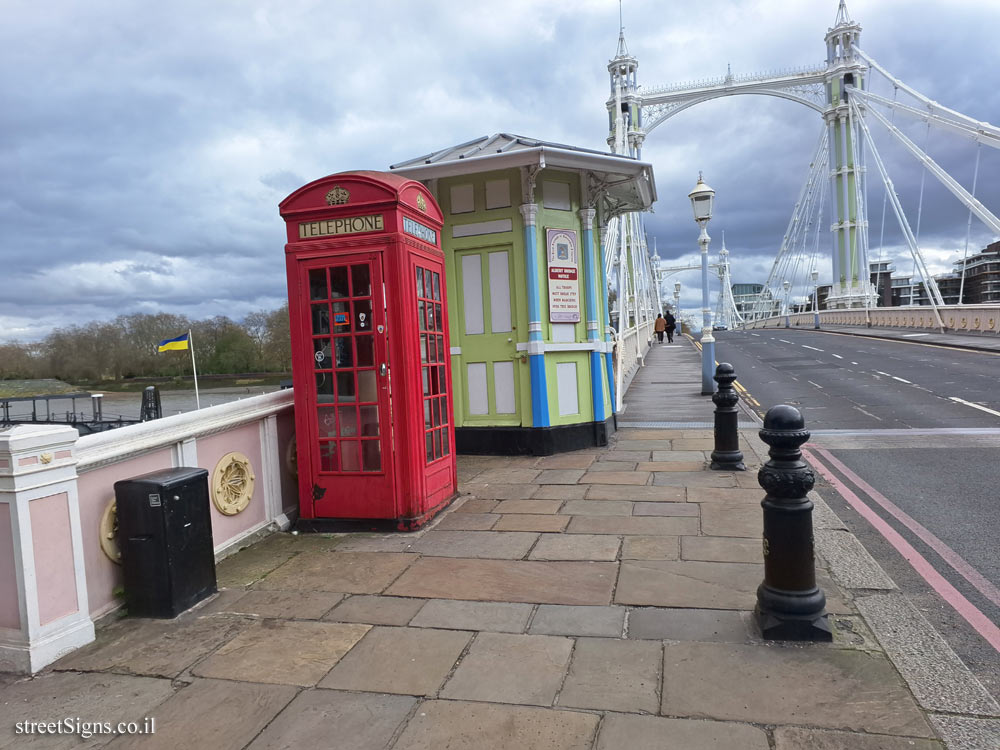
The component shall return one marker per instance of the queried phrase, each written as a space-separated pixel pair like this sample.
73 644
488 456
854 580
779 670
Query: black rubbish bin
165 536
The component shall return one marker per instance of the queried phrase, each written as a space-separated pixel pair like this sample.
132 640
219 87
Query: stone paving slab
557 619
614 675
650 548
665 509
507 545
566 461
498 491
627 443
467 521
560 492
684 466
616 477
345 572
620 455
476 505
409 661
597 508
160 648
716 494
712 625
219 711
703 585
693 479
495 617
619 465
633 525
285 652
89 697
508 476
648 494
299 605
722 549
509 580
728 518
818 686
619 731
796 738
601 547
250 565
376 610
532 522
528 506
504 668
453 725
689 456
335 720
560 476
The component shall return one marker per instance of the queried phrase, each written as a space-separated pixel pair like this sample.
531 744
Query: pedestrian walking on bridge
659 327
671 326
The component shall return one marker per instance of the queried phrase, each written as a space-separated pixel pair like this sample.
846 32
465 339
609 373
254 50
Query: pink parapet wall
246 440
55 573
96 490
10 613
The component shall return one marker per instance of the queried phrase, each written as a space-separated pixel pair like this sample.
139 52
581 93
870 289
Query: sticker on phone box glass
340 319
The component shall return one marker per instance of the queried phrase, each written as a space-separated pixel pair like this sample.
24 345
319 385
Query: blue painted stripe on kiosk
539 391
610 363
597 385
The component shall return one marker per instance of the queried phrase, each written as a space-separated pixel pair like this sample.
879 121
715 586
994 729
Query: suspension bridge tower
851 285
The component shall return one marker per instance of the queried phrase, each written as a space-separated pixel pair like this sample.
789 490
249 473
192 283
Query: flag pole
194 369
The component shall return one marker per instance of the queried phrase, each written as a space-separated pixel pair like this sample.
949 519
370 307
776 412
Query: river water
129 405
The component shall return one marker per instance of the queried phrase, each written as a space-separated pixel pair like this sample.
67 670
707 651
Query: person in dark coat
671 327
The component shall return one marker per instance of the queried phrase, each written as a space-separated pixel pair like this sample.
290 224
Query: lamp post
787 284
655 262
815 278
702 198
677 307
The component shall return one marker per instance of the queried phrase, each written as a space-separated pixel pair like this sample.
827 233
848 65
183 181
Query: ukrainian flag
174 344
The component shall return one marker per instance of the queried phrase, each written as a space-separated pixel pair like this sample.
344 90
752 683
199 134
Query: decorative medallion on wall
338 196
421 203
232 484
45 458
292 458
108 533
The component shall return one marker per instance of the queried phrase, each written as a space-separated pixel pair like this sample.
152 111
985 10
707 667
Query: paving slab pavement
597 600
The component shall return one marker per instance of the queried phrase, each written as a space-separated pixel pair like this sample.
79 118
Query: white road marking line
853 363
811 347
883 373
914 335
755 334
784 342
868 413
836 355
902 381
815 384
974 406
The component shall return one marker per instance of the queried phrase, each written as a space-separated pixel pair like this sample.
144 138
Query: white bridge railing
633 343
981 319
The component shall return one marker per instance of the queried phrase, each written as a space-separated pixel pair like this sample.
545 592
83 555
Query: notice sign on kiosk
564 282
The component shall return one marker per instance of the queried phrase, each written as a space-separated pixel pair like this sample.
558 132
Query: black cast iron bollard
790 606
727 455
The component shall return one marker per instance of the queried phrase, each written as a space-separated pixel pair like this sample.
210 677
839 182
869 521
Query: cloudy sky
144 147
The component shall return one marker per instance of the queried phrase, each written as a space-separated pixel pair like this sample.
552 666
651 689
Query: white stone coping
108 447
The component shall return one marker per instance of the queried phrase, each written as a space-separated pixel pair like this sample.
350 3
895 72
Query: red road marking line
949 555
980 622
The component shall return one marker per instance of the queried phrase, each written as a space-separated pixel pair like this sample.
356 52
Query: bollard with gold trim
790 606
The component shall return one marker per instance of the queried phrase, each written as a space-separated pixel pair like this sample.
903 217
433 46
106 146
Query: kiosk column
536 352
609 361
596 374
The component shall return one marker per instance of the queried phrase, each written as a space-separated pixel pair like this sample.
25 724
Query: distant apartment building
980 287
748 299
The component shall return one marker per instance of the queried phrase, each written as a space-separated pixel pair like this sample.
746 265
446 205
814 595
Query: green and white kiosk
531 355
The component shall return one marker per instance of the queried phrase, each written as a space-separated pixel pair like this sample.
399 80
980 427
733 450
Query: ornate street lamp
815 278
677 307
702 198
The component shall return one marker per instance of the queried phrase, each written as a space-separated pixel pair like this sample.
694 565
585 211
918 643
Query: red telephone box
371 360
